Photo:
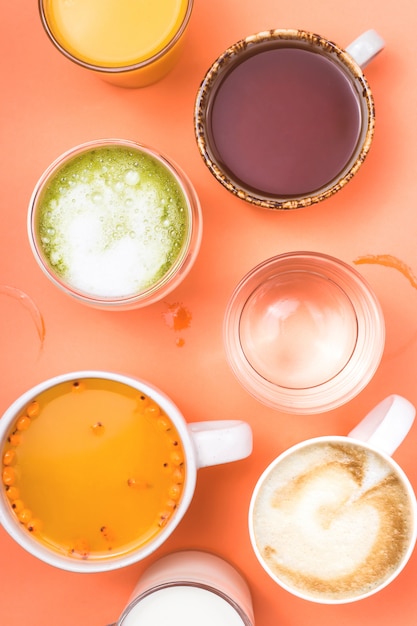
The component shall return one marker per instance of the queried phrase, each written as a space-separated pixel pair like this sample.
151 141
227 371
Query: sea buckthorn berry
98 428
137 483
171 504
142 401
80 548
34 526
107 533
174 492
9 457
9 475
153 410
163 518
12 493
17 506
167 467
178 475
164 424
24 516
14 439
23 423
33 409
177 457
77 386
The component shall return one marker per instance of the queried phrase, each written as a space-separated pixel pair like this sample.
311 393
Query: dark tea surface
284 121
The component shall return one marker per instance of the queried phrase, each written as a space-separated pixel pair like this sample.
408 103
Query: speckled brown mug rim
228 58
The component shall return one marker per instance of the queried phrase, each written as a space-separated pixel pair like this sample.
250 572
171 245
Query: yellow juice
119 34
93 468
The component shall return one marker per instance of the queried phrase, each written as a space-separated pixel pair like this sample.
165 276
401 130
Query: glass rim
212 80
118 69
352 378
184 582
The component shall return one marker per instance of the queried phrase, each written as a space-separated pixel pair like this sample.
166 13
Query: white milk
183 606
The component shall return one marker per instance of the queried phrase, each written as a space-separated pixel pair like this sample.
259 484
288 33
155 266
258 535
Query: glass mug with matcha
115 224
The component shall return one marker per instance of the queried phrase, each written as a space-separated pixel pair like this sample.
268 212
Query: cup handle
220 441
365 47
387 424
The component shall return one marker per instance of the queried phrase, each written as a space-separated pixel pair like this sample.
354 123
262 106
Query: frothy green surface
112 221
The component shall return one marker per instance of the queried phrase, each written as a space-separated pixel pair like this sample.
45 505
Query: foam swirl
333 520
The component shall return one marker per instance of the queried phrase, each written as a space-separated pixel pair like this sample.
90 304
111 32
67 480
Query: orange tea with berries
93 468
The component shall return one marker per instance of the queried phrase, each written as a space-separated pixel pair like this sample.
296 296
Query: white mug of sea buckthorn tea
130 44
189 588
334 519
114 224
285 118
99 468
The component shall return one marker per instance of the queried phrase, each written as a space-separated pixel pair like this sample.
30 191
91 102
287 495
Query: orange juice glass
130 44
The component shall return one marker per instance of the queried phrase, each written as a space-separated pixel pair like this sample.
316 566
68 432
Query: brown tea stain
387 260
177 318
31 307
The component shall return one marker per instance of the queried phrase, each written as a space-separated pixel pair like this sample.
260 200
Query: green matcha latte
112 221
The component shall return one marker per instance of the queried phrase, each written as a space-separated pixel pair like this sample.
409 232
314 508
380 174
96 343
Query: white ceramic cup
305 506
204 444
188 588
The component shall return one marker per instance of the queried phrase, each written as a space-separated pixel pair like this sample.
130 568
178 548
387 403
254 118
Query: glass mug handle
387 424
365 47
220 441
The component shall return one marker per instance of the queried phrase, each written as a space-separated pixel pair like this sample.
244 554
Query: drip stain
29 304
177 318
387 260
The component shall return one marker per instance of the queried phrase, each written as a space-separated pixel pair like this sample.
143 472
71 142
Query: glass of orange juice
130 44
99 468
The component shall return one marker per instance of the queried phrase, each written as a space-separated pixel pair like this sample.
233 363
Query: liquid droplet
29 304
177 318
387 260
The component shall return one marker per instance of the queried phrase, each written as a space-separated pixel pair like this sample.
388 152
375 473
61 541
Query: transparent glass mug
127 44
303 332
333 519
114 224
285 118
97 453
187 588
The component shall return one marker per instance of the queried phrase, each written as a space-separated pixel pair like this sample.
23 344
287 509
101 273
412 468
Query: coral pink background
49 105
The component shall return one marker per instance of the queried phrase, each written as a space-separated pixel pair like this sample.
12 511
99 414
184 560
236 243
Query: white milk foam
183 606
332 520
112 222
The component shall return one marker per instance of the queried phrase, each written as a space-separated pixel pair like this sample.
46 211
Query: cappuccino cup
99 468
333 519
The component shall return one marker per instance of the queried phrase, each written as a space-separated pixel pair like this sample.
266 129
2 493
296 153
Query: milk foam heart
332 520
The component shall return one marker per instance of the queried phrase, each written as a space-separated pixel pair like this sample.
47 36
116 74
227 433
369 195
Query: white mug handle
220 441
387 424
365 47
